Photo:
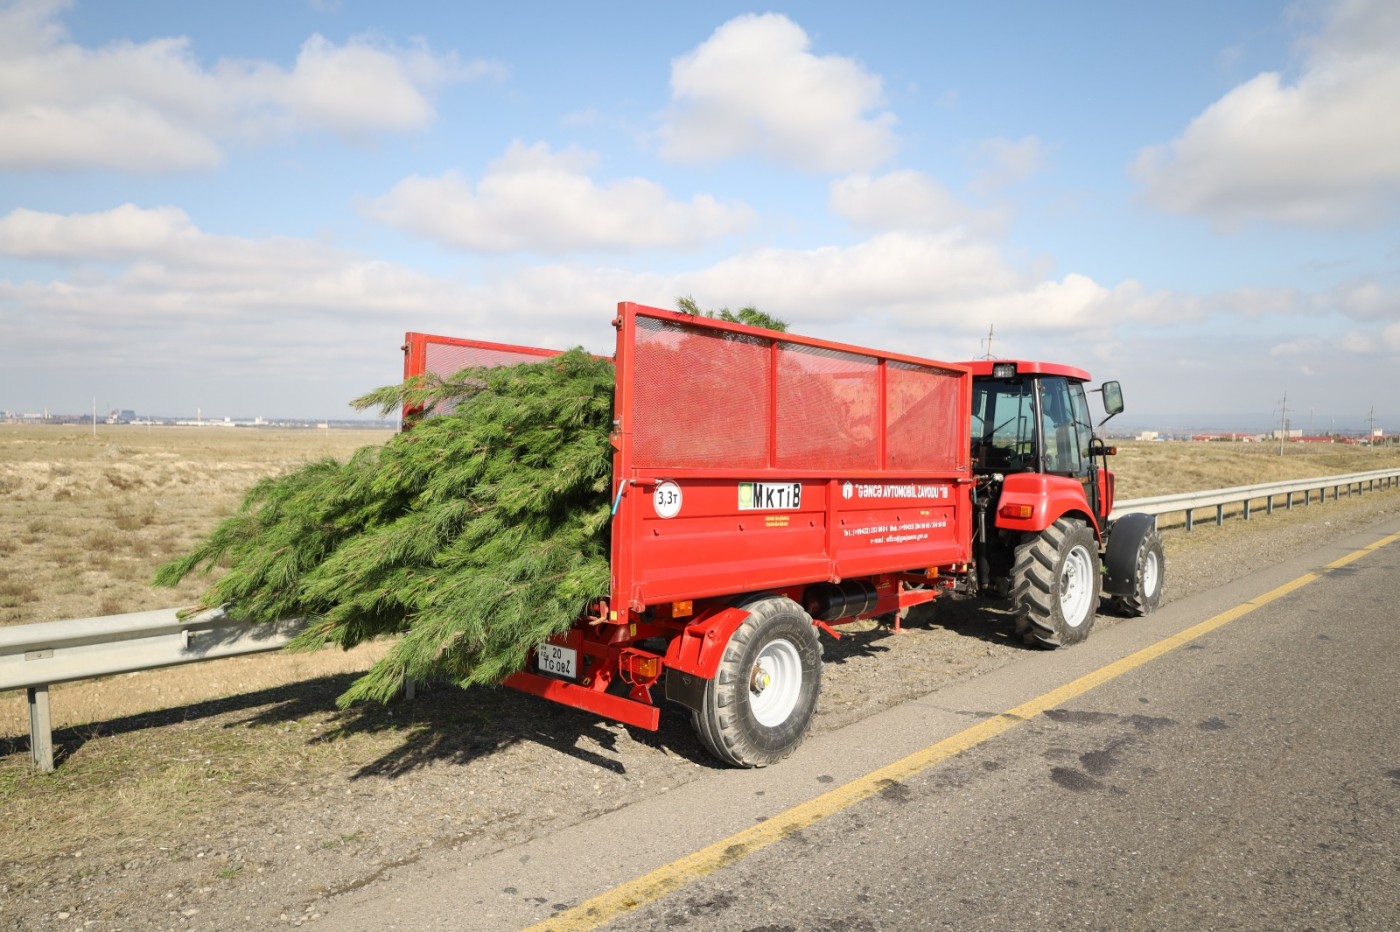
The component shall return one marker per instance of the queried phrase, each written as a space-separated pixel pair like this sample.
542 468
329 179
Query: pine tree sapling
749 315
474 536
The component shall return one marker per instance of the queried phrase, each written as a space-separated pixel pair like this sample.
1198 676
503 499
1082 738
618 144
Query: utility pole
991 331
1283 434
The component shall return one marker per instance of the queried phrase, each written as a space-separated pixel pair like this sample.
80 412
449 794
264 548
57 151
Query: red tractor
1042 502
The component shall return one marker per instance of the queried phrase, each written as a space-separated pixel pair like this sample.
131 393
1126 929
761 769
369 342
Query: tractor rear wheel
1055 584
759 706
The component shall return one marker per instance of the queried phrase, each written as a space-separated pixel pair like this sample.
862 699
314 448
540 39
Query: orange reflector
1016 512
640 667
682 609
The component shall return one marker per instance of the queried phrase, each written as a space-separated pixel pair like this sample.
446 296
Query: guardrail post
1271 505
1246 509
1219 515
40 728
1188 520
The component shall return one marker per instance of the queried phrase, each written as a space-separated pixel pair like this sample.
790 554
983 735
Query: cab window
1066 438
1003 423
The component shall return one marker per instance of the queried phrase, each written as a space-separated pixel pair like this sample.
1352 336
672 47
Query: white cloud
537 200
926 286
144 306
124 232
1008 162
754 87
153 107
1261 302
1382 343
152 307
1364 300
355 88
157 265
1129 301
146 292
158 260
1318 151
907 200
1292 348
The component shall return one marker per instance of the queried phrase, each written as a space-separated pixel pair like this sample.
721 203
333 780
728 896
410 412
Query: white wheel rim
775 683
1150 571
1075 587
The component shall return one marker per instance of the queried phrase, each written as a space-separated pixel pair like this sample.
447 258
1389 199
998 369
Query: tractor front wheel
1148 570
1055 584
759 706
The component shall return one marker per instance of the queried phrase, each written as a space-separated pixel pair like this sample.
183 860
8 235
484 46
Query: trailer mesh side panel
922 404
708 398
702 397
828 409
444 358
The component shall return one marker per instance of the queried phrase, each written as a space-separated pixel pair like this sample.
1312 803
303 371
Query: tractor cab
1033 417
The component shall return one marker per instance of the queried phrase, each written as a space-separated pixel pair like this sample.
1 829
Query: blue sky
240 208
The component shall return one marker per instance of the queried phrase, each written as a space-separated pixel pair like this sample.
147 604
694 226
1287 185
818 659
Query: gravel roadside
493 768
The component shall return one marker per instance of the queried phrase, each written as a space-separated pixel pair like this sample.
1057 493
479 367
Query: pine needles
475 535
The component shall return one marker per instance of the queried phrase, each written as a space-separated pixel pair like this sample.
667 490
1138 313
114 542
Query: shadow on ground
441 724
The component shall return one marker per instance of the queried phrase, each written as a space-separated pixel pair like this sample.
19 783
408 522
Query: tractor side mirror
1112 398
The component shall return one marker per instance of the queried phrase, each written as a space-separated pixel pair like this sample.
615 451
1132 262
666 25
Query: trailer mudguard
1120 557
697 650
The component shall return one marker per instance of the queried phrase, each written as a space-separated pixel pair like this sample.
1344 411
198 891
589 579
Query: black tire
1147 578
1055 584
759 706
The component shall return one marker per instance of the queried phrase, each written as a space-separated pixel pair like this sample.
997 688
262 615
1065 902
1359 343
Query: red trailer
765 485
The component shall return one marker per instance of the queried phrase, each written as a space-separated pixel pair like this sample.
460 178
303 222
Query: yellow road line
653 886
1358 554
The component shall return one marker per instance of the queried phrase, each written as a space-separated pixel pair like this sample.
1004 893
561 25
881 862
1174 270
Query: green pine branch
475 535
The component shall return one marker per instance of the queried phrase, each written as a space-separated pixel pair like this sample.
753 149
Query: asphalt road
1246 778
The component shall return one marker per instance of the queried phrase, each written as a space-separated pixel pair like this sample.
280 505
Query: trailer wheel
759 706
1147 578
1055 584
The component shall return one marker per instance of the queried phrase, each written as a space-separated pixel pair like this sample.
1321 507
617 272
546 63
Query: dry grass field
85 521
153 765
1146 469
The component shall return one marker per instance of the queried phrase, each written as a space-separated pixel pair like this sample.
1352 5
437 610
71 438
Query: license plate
770 496
557 660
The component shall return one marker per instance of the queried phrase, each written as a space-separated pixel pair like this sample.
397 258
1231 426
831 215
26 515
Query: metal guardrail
35 657
1246 495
